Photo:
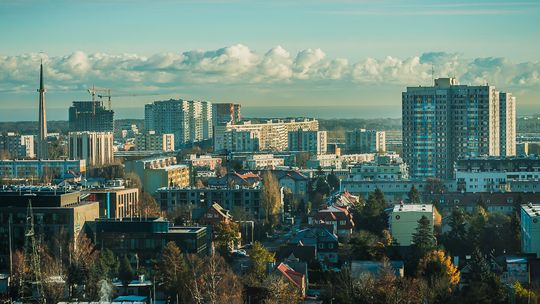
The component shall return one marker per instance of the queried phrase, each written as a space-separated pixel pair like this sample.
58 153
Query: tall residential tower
448 121
42 148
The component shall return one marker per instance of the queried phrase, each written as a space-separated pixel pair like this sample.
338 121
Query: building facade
447 121
18 146
115 203
404 221
507 120
94 147
90 116
39 169
150 141
308 141
262 161
189 120
223 113
530 229
365 141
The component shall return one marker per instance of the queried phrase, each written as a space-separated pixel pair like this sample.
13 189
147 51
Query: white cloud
239 65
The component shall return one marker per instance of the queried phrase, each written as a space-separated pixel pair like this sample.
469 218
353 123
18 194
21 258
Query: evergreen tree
372 217
125 271
414 196
456 240
423 239
333 181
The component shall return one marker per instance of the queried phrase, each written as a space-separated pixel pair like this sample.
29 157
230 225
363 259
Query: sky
313 57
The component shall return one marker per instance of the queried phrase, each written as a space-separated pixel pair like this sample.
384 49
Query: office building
223 113
40 169
90 116
365 141
447 121
17 146
308 141
145 237
190 121
404 221
94 147
530 229
58 215
507 120
271 135
150 141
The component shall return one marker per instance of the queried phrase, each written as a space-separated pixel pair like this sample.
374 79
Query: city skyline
316 52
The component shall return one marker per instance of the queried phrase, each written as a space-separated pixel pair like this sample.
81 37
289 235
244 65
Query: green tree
372 216
441 275
423 239
484 287
366 245
434 186
456 240
333 181
226 236
414 196
260 257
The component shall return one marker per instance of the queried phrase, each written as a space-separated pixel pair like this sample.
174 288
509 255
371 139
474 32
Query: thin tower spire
42 136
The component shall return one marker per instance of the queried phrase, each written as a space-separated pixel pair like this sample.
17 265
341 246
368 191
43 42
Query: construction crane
93 90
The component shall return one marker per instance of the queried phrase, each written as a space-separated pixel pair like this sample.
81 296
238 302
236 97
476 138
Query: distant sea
323 112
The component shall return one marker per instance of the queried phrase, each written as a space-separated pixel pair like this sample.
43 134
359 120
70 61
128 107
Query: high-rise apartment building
271 135
365 141
90 116
447 121
17 146
507 120
223 113
189 120
94 147
308 141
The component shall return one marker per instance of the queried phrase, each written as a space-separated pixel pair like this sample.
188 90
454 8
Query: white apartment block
308 141
271 135
507 112
94 147
395 170
404 221
447 121
365 141
150 141
530 229
189 120
262 161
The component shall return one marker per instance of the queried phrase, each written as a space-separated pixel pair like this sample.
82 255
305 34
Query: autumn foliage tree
441 275
172 270
271 197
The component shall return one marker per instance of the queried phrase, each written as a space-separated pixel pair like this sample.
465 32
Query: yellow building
174 175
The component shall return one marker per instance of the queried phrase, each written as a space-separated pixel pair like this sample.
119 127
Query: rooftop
413 208
532 210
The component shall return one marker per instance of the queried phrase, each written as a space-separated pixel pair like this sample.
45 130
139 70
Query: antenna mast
31 258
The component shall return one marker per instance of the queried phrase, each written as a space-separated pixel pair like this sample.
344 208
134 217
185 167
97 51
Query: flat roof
532 210
413 208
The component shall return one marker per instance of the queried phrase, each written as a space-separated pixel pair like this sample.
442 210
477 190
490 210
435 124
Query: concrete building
39 169
203 161
271 135
262 161
18 146
189 120
239 140
507 120
404 221
380 169
58 215
324 161
150 141
308 141
530 229
528 148
160 171
223 113
90 116
94 147
115 203
447 121
247 199
498 174
365 141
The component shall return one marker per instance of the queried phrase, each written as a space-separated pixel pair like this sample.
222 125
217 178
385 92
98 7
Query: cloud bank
239 65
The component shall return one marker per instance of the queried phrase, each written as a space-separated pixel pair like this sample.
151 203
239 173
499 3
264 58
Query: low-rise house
215 215
295 278
339 218
324 241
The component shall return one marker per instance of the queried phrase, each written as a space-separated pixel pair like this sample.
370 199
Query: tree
125 271
434 186
366 245
82 257
372 216
226 236
172 269
271 197
333 181
481 202
523 295
484 287
280 291
259 257
133 180
455 240
414 196
302 158
423 239
148 206
441 275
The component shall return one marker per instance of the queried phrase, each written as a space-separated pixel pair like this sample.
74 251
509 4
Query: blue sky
261 53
